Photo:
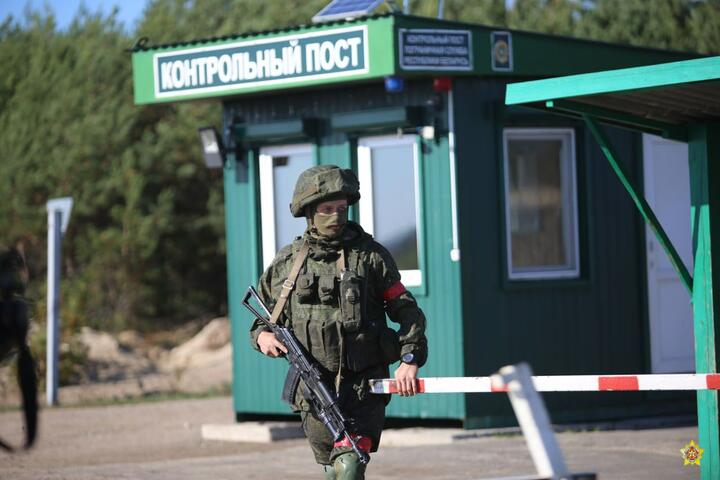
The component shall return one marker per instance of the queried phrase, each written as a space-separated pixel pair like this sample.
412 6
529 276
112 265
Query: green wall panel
440 300
593 325
252 391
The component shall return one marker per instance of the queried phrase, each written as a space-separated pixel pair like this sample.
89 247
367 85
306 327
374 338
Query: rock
130 365
101 346
130 339
106 360
210 346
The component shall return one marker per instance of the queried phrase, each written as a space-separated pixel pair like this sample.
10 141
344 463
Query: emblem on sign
501 54
692 453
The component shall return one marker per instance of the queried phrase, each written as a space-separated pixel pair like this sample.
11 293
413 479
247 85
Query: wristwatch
408 358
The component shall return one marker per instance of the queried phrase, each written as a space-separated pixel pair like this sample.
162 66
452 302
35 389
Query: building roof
380 46
661 99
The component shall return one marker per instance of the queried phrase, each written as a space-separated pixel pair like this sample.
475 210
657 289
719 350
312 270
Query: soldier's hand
269 345
406 379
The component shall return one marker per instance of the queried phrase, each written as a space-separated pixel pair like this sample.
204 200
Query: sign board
240 65
433 49
501 53
64 206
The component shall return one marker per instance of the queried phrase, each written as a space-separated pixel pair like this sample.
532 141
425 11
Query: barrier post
533 419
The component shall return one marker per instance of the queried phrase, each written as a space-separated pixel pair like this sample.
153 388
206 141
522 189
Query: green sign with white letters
240 65
273 61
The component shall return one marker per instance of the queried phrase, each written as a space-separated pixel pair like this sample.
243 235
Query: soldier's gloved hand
406 379
269 345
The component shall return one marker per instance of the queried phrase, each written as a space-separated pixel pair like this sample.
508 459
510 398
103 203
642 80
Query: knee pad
348 467
329 472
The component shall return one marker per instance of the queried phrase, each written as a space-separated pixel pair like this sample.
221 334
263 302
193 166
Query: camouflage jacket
314 309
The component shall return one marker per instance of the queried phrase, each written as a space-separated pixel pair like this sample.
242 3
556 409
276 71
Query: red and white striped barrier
561 383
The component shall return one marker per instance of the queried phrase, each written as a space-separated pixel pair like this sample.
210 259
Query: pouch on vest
326 289
305 287
352 300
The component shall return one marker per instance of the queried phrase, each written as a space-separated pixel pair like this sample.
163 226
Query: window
541 203
279 170
388 169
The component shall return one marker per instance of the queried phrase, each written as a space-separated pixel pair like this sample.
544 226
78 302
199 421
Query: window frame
413 279
267 192
569 178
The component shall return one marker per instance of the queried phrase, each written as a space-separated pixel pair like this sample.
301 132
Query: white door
279 169
667 189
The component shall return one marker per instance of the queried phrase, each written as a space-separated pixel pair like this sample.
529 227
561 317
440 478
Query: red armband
364 443
395 290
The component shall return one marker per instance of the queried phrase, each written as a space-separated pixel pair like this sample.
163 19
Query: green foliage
72 358
691 25
663 26
145 244
145 238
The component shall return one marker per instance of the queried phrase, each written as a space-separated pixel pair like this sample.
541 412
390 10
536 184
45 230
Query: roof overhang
364 50
661 99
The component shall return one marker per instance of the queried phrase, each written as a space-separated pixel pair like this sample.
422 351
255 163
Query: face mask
323 222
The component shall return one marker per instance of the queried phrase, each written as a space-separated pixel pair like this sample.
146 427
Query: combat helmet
322 182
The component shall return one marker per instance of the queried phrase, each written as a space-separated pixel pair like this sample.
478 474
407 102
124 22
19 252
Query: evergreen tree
145 245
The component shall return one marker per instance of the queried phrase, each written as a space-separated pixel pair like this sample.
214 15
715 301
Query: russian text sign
431 49
239 65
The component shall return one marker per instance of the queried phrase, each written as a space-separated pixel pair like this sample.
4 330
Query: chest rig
326 302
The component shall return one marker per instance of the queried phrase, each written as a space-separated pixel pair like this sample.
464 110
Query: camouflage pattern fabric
322 182
365 413
314 312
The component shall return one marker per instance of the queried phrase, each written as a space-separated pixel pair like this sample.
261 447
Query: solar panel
342 9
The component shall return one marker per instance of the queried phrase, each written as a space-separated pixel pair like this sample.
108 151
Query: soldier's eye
331 210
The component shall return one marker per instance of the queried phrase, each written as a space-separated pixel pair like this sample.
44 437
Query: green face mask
330 226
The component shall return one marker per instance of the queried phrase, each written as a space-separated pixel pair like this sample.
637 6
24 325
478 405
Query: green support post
641 203
704 156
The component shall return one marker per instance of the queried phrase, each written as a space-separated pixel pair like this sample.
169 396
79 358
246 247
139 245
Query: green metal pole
704 155
641 203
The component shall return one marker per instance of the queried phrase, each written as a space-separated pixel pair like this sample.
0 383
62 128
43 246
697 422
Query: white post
455 252
58 216
533 419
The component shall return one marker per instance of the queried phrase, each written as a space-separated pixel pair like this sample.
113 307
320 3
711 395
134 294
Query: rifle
322 401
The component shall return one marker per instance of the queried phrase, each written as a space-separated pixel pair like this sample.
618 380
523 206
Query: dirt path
133 433
162 441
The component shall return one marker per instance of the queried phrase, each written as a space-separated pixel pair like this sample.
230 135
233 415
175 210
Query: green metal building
506 223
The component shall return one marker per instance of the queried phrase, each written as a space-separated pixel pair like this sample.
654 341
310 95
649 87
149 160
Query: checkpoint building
507 224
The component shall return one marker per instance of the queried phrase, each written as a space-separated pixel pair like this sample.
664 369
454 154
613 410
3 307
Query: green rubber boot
348 467
329 472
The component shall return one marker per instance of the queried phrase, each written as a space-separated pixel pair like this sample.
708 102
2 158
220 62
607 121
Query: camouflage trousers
364 411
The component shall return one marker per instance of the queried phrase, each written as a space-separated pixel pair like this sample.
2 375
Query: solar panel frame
343 9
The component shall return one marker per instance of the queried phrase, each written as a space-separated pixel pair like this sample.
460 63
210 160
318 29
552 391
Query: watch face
408 357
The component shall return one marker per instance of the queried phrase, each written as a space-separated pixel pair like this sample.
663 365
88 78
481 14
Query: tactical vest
327 304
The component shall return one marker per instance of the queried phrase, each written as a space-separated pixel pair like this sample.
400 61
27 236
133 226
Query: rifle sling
341 266
289 283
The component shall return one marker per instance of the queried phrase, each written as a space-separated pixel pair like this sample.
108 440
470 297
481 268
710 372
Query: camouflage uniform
317 310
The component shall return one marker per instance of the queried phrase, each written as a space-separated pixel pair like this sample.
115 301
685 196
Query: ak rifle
302 367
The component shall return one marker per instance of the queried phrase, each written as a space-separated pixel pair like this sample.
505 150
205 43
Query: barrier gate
522 388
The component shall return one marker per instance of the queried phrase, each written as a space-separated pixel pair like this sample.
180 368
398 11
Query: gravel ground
162 441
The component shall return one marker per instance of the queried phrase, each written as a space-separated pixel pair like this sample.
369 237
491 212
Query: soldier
345 285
